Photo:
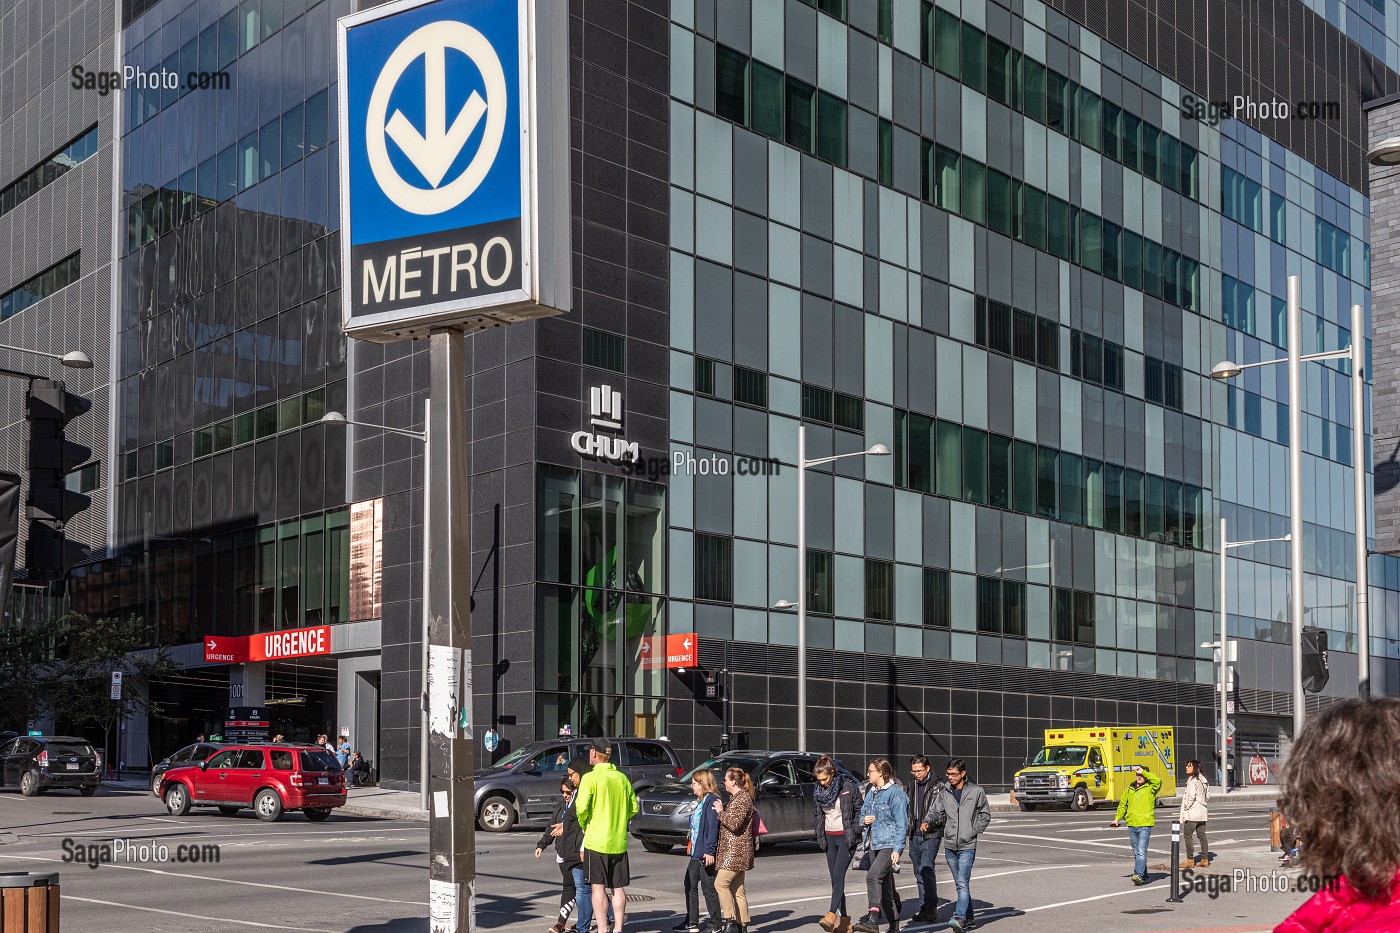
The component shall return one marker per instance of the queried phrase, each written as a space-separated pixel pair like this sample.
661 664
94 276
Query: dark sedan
189 755
783 783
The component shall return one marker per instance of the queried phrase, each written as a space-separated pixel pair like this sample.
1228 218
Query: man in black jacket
925 834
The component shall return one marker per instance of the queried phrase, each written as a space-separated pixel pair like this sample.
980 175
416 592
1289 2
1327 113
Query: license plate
72 766
323 780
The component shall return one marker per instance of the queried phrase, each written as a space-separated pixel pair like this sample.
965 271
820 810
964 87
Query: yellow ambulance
1085 766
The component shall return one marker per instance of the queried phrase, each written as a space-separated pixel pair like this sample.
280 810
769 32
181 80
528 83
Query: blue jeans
960 864
1139 836
923 855
585 901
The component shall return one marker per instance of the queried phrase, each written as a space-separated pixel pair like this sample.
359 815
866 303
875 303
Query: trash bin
29 902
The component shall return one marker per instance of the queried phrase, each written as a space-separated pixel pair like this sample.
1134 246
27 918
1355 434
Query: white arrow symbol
686 643
211 644
646 648
433 152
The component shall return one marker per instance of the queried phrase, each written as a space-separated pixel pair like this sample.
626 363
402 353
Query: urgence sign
454 165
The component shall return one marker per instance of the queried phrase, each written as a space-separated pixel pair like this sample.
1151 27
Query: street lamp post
1224 645
337 418
1229 370
803 464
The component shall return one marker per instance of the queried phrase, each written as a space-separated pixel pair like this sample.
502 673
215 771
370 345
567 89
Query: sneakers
870 923
957 925
926 914
558 927
1138 879
684 927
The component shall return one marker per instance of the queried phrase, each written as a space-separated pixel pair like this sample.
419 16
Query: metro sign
268 646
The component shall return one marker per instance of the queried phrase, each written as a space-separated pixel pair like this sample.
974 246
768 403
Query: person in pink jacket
1342 781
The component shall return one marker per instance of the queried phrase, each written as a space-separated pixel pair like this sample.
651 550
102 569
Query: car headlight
686 809
1016 781
1064 780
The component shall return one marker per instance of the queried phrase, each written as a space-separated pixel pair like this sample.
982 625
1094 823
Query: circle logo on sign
434 148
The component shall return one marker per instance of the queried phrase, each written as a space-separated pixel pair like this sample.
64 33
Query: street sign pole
451 755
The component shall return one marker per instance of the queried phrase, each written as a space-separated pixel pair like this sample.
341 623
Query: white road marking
185 915
911 887
251 884
1096 897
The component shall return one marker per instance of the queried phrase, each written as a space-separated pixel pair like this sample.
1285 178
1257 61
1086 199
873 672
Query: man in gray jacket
965 816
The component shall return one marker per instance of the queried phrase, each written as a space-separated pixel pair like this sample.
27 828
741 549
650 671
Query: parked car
523 787
36 763
190 754
783 786
269 778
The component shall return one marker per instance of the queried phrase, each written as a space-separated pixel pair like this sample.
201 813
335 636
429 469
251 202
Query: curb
382 813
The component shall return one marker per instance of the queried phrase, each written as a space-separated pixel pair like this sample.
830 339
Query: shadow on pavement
366 857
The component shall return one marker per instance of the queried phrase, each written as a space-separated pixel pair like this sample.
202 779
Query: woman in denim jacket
885 815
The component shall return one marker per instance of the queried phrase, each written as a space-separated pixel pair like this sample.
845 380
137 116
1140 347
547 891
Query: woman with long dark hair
1342 781
1195 803
734 851
837 802
885 813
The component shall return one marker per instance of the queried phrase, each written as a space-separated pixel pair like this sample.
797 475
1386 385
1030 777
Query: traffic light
51 457
1315 671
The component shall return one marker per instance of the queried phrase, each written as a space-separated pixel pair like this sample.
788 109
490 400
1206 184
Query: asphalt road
1044 871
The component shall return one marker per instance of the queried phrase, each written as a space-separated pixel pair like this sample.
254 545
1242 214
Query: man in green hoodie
1139 808
605 804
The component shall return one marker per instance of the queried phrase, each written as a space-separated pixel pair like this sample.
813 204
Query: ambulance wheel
1082 801
1027 807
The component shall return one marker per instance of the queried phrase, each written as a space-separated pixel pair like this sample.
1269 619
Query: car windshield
719 766
516 756
69 748
1061 755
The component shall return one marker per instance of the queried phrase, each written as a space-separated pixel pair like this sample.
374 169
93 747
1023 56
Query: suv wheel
88 791
29 784
177 800
317 814
155 783
267 805
496 815
1027 807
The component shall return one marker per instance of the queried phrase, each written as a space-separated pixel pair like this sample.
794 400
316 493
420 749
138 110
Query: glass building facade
998 238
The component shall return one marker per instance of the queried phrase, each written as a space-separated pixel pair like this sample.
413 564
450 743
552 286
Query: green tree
69 668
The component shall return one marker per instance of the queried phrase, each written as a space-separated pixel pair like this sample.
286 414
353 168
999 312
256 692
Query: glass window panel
766 103
1112 498
1058 98
317 117
1060 228
974 203
974 58
1130 140
1048 484
1088 120
1031 213
821 582
250 22
947 43
270 148
999 202
1023 488
937 608
293 140
1013 609
949 182
801 120
731 84
920 452
879 590
989 605
1132 503
714 568
974 450
999 471
831 128
1048 344
1071 489
999 70
1093 493
948 476
248 164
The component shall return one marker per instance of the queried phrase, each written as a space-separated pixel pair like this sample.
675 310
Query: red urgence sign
268 646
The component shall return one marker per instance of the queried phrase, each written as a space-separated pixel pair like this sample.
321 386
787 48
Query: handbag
756 824
860 858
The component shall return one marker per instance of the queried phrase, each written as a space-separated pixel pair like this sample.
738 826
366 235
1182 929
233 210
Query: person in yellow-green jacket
1139 809
605 804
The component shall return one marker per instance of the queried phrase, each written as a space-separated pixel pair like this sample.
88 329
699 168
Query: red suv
269 778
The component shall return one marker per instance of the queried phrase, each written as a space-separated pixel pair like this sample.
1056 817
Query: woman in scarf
838 802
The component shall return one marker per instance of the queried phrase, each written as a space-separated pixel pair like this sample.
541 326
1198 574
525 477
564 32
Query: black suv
189 755
524 786
783 787
36 763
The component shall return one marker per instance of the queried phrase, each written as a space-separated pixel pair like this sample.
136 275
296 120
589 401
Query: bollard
1175 897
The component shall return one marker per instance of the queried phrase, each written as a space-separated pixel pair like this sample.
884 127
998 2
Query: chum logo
435 147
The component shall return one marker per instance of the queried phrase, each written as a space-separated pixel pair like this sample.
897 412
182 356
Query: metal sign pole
1175 897
451 755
